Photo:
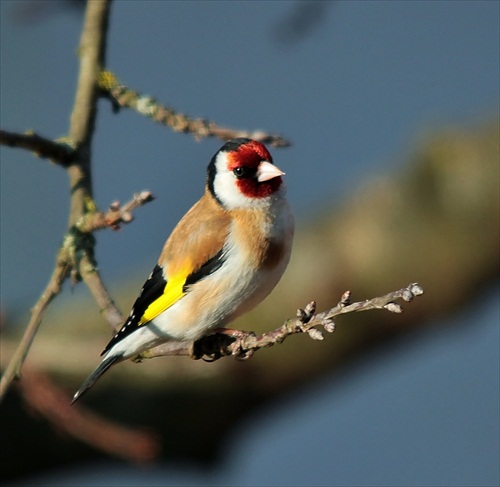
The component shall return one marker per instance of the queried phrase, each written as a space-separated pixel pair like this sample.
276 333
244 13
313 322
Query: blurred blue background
354 92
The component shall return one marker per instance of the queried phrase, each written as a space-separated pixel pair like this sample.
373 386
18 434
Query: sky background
354 94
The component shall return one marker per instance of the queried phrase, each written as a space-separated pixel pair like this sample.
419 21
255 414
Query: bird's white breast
242 281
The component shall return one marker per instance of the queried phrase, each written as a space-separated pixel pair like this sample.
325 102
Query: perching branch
122 96
243 345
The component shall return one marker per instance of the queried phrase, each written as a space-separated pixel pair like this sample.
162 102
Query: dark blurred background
392 108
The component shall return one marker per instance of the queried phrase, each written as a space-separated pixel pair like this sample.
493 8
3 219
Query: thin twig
59 152
243 344
93 280
16 362
123 96
97 220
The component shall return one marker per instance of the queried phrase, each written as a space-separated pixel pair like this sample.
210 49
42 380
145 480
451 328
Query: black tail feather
92 378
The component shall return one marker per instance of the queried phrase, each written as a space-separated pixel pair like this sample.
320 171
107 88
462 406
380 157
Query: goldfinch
223 258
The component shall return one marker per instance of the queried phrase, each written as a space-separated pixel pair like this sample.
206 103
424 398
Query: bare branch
59 152
243 344
92 51
53 288
123 96
76 254
93 280
83 255
82 122
97 220
92 47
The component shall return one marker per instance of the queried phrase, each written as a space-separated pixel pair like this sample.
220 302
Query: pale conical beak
267 171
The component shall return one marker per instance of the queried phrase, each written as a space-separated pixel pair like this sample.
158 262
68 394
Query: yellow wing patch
174 290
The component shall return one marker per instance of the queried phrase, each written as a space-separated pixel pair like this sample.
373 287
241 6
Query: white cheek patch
227 191
225 186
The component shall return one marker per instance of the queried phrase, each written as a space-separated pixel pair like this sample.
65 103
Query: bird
226 254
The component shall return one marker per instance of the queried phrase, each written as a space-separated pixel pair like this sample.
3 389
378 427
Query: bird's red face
242 173
256 177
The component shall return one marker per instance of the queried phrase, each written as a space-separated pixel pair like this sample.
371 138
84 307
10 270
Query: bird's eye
241 172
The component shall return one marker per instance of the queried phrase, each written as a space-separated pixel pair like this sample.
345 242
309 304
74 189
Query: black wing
153 288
